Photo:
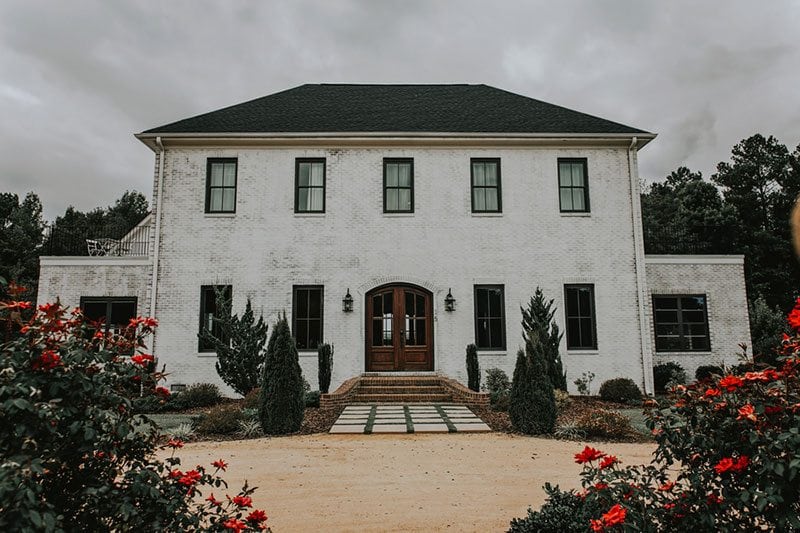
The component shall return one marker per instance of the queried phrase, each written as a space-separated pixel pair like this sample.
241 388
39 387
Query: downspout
639 266
157 239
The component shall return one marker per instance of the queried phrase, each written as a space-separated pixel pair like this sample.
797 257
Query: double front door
399 329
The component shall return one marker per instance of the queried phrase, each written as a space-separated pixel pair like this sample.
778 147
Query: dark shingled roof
316 108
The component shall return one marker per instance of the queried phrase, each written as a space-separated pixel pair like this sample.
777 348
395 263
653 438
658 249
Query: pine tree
539 317
239 344
325 360
532 408
473 369
282 396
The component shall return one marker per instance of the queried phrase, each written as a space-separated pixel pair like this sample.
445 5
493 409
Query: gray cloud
79 78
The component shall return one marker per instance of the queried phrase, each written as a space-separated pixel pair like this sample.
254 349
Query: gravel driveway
455 482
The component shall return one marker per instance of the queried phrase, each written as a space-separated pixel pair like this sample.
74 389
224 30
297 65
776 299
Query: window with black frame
111 314
309 194
581 320
398 185
485 185
212 307
490 321
307 316
573 185
221 185
681 323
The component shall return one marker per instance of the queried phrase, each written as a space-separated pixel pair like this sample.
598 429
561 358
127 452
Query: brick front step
398 382
401 389
401 398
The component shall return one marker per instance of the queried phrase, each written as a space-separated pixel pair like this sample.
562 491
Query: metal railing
693 240
102 241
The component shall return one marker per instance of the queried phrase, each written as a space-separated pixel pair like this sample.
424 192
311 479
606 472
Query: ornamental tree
539 318
532 405
282 397
75 455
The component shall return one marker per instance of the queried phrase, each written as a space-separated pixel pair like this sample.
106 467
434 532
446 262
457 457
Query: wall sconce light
347 302
449 301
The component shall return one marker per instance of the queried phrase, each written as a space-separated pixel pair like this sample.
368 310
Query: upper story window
486 192
307 316
309 194
398 185
573 185
581 321
490 320
211 308
681 323
221 185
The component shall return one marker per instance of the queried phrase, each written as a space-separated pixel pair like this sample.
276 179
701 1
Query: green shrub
500 401
532 407
538 319
584 383
766 325
312 398
251 401
497 381
325 364
473 369
707 372
666 374
562 400
622 390
196 395
150 404
569 431
562 512
604 423
219 420
282 391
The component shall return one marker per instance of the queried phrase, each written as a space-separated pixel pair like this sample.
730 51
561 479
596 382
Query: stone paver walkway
408 418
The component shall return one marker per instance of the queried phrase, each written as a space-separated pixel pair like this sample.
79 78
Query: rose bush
75 456
728 459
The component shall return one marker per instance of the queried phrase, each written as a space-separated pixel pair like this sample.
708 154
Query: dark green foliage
195 395
539 317
562 512
219 420
499 387
666 373
532 408
150 404
21 230
312 398
622 390
325 360
707 372
766 326
240 345
473 369
252 399
282 395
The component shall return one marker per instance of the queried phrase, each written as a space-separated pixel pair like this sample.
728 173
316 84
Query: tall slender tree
538 319
532 406
282 395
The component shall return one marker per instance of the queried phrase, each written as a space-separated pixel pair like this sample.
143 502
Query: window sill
398 215
577 214
309 215
219 215
593 351
493 352
683 352
486 214
207 354
307 353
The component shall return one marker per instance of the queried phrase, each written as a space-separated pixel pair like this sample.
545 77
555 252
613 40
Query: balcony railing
695 240
104 241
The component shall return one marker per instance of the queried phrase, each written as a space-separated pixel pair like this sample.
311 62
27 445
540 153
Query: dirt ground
437 482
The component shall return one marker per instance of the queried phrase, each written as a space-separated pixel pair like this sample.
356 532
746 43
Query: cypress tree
532 406
325 360
539 317
282 396
473 369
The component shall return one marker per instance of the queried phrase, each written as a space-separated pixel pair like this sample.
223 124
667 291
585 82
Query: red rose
257 516
747 412
587 455
794 316
162 391
234 525
710 393
19 306
175 443
608 461
667 486
219 463
143 359
600 486
243 501
190 478
730 383
213 500
614 516
47 361
596 525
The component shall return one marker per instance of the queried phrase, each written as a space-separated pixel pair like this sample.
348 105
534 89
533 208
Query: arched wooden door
399 329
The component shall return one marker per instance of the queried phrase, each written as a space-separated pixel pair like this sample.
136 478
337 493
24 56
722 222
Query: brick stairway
403 389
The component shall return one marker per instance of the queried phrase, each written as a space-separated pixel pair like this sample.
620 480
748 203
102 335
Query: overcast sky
78 79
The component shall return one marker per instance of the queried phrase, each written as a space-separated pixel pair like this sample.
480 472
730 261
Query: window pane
216 200
496 332
314 334
572 301
420 329
662 302
693 303
584 297
230 174
404 176
478 174
564 175
388 332
491 199
303 202
666 316
94 311
317 172
377 333
482 302
566 199
122 312
668 329
228 199
699 343
316 195
391 174
491 173
301 333
479 198
301 304
420 311
495 305
315 303
483 333
404 199
410 311
577 200
304 171
587 339
377 306
216 174
577 174
573 332
388 304
391 200
694 316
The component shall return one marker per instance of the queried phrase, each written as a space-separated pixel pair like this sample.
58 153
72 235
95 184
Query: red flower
243 501
50 310
710 393
219 463
794 316
213 500
614 516
773 409
712 499
47 361
143 359
162 391
143 321
596 525
174 474
727 464
764 376
730 383
587 455
234 525
175 443
608 461
190 478
14 289
257 516
19 306
667 486
747 412
600 486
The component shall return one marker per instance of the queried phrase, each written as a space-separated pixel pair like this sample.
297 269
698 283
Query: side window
210 309
309 193
398 185
490 321
221 185
681 323
581 320
485 186
307 316
573 185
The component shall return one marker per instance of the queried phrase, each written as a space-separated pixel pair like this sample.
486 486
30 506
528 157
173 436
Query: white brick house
399 196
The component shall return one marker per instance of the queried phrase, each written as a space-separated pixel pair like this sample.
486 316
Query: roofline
148 138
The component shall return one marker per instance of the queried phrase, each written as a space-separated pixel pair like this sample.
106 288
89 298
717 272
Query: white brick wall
265 248
721 279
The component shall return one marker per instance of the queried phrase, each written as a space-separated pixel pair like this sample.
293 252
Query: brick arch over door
399 328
